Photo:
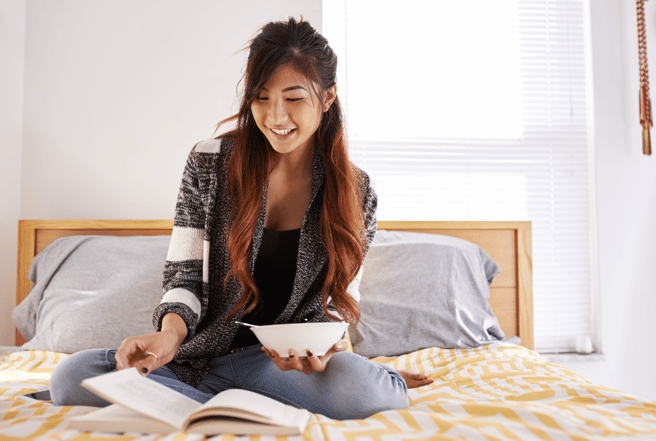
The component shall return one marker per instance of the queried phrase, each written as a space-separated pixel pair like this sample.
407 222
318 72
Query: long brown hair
299 45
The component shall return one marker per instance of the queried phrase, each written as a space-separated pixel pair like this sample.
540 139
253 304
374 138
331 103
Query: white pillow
92 292
423 290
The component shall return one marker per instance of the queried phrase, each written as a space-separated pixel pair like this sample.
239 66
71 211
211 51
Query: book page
267 409
120 419
210 426
232 411
130 389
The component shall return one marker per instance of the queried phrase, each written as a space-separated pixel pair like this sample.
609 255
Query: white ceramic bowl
316 337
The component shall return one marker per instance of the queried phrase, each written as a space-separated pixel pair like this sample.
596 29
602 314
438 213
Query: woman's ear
329 98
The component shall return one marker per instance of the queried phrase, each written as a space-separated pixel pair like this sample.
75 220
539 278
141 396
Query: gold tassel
644 101
646 141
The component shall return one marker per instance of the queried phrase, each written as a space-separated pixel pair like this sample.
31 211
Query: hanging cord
645 101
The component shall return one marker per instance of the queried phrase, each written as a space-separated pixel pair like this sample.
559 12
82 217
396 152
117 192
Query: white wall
12 43
626 197
116 93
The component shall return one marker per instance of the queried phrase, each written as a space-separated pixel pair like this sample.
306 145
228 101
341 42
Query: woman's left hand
306 363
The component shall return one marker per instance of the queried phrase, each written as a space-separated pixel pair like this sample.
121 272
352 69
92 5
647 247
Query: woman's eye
262 98
294 99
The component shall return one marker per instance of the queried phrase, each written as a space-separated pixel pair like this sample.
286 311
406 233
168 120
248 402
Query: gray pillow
92 292
423 290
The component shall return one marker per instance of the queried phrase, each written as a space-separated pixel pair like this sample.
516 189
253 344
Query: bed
449 299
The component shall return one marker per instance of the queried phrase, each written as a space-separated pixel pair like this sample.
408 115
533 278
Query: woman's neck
294 164
289 191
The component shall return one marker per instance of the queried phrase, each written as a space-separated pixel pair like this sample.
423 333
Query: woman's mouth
282 132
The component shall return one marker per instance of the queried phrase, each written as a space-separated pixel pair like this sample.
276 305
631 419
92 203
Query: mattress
494 392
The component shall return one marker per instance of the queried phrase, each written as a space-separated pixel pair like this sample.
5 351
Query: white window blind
478 110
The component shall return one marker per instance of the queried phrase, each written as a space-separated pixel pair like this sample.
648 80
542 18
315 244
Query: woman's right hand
147 352
151 351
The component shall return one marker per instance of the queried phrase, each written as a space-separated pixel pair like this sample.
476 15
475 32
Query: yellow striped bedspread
496 392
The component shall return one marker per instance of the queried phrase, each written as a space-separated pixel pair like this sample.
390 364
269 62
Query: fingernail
144 370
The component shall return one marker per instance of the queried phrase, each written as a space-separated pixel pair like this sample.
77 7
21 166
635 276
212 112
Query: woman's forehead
286 79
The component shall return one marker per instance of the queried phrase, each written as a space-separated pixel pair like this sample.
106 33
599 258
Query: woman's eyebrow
293 88
288 89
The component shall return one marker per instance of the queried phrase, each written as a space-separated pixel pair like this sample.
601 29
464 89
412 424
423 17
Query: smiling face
288 113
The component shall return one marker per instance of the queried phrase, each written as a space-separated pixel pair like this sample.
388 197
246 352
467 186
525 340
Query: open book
145 406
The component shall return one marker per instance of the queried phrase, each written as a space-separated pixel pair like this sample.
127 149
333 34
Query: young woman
272 224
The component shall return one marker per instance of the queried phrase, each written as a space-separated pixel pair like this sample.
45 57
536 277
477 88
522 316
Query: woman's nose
277 112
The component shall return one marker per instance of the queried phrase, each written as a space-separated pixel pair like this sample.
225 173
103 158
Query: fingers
308 364
145 362
318 364
125 353
149 362
132 353
285 364
293 361
148 354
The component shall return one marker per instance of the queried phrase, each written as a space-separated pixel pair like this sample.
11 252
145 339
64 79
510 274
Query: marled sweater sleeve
370 204
183 271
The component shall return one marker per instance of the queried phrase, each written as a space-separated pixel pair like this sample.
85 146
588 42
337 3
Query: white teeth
282 132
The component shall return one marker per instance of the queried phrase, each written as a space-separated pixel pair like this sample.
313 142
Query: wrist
174 325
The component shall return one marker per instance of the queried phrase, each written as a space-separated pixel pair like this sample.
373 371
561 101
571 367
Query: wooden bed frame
508 243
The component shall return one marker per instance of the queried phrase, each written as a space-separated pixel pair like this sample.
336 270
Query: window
478 110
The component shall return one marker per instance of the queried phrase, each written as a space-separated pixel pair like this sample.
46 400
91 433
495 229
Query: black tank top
275 269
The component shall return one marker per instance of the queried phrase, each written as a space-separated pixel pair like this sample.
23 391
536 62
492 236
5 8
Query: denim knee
360 393
66 380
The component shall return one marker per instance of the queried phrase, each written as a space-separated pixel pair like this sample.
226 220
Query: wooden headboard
508 243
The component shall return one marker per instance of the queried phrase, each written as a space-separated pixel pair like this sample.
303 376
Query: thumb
337 347
127 353
341 345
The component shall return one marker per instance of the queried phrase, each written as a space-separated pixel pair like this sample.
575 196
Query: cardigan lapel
259 229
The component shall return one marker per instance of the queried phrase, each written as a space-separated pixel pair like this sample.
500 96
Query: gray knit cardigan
197 261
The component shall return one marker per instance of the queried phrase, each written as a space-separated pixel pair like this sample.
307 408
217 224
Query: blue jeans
351 386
